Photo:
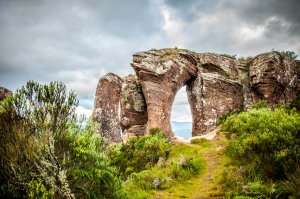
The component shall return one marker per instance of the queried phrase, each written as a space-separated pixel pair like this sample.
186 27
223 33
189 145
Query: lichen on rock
133 106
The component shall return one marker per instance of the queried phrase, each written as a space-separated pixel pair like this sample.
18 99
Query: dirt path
210 185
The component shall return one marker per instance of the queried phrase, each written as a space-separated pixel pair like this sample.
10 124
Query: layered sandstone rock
162 73
215 92
106 107
133 107
217 85
274 77
4 92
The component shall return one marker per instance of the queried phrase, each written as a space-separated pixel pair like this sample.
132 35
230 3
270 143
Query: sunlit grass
207 182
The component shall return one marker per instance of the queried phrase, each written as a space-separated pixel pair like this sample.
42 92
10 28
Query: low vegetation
265 150
46 153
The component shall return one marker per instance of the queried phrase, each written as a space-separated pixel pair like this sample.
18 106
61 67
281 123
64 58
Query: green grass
203 180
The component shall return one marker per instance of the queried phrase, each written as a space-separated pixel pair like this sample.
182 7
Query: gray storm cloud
78 41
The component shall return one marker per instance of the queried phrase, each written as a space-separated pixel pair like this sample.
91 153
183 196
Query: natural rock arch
162 74
217 85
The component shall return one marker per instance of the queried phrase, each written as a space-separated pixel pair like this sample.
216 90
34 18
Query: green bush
185 167
295 103
33 124
41 140
138 154
260 104
270 139
265 148
37 190
89 172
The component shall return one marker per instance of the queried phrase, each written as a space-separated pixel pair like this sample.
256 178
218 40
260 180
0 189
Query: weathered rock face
162 74
133 107
274 78
4 92
215 92
217 85
106 107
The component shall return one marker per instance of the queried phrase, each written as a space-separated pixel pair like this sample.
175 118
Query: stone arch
162 74
217 85
212 86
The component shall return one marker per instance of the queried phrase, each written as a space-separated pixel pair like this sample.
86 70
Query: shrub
295 103
270 139
266 147
89 172
37 190
186 167
260 104
41 140
140 153
33 123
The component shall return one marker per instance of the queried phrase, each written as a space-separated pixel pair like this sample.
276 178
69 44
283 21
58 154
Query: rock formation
217 85
133 107
106 107
4 92
162 74
274 77
215 92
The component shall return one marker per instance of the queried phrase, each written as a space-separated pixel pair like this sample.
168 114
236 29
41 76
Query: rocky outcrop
106 107
162 74
274 77
133 107
217 85
215 92
4 92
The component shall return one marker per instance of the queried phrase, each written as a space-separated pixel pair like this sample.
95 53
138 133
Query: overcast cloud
78 41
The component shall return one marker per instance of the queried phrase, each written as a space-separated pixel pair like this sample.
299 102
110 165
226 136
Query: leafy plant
33 123
140 153
37 190
260 104
42 141
265 146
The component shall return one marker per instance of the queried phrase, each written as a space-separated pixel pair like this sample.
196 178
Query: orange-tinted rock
106 107
162 73
217 85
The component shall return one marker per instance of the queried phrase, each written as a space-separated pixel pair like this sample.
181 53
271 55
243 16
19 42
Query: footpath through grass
206 184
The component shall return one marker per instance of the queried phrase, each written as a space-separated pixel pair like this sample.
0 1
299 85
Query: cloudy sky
78 41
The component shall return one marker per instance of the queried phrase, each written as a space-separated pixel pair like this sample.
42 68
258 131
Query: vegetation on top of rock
287 54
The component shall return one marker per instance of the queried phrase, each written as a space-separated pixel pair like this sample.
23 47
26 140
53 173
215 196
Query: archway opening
181 117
